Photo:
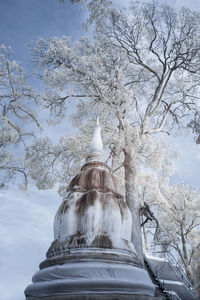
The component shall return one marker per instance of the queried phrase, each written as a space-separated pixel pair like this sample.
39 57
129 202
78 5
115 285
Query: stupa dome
94 214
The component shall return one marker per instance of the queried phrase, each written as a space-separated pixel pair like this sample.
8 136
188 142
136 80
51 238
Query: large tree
140 73
180 225
18 118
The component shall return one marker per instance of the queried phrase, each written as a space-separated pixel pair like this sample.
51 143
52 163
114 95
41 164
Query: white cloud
26 231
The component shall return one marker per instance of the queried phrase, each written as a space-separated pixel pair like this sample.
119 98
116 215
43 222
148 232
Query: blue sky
26 222
24 20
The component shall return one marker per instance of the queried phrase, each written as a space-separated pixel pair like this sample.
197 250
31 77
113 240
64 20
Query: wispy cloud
26 231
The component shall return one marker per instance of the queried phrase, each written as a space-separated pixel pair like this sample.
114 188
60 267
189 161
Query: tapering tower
92 256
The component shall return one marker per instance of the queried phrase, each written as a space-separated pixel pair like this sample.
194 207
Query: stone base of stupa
102 296
91 275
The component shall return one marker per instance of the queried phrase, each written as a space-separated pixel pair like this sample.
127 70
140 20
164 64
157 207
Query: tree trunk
144 236
132 201
188 268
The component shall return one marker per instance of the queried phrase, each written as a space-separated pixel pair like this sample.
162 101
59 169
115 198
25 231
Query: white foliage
139 73
180 224
16 110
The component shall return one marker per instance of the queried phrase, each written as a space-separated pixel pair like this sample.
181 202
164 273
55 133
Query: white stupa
92 256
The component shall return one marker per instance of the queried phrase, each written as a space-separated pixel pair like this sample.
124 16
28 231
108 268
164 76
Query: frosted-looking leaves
180 225
140 86
139 72
17 100
51 164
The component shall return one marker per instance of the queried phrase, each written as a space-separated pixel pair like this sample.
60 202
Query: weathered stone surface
95 176
98 297
91 219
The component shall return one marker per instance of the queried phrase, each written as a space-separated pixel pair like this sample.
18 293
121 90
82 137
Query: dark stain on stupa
78 238
102 241
94 178
63 208
86 200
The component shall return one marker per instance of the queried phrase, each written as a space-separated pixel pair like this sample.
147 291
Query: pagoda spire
96 152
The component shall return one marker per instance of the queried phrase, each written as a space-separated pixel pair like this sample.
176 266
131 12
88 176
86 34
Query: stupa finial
96 152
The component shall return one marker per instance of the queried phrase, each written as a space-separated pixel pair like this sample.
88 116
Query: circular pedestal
91 275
